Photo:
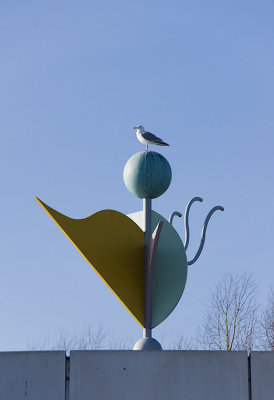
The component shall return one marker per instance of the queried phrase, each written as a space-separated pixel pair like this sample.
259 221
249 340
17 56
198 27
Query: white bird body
148 137
141 138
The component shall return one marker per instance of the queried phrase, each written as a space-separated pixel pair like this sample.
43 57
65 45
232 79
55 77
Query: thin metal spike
175 213
187 217
204 234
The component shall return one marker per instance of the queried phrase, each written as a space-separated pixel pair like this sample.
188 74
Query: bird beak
135 127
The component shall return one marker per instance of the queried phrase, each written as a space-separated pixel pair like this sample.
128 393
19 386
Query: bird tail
163 144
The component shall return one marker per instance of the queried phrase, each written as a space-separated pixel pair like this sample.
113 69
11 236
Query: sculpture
140 256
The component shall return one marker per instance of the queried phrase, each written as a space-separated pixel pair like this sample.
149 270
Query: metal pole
147 219
147 230
147 333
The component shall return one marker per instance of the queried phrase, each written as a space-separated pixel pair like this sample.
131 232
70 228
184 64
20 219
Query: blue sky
75 78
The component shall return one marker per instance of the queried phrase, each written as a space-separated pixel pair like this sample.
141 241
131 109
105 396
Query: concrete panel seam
249 376
67 378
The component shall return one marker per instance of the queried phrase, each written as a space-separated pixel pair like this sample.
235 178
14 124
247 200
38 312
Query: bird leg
147 147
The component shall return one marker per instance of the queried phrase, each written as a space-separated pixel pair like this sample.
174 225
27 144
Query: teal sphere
147 174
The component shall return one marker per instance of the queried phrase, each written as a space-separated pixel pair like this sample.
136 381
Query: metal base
147 343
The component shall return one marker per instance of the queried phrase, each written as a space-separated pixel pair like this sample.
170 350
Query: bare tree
118 343
183 343
88 339
230 321
267 324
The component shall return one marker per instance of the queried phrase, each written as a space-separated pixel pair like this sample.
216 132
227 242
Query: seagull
147 137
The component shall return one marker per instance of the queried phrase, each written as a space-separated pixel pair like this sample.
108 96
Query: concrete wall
162 375
104 375
32 375
262 375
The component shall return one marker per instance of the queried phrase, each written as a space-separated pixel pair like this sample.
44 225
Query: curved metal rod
186 219
204 234
173 215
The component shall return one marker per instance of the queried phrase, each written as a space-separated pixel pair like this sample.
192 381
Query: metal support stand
147 229
147 342
147 333
147 219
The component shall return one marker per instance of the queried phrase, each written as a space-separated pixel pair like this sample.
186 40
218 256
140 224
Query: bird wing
149 136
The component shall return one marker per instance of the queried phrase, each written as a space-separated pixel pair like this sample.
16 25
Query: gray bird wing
151 137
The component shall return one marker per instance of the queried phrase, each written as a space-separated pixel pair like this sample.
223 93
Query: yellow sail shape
113 245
